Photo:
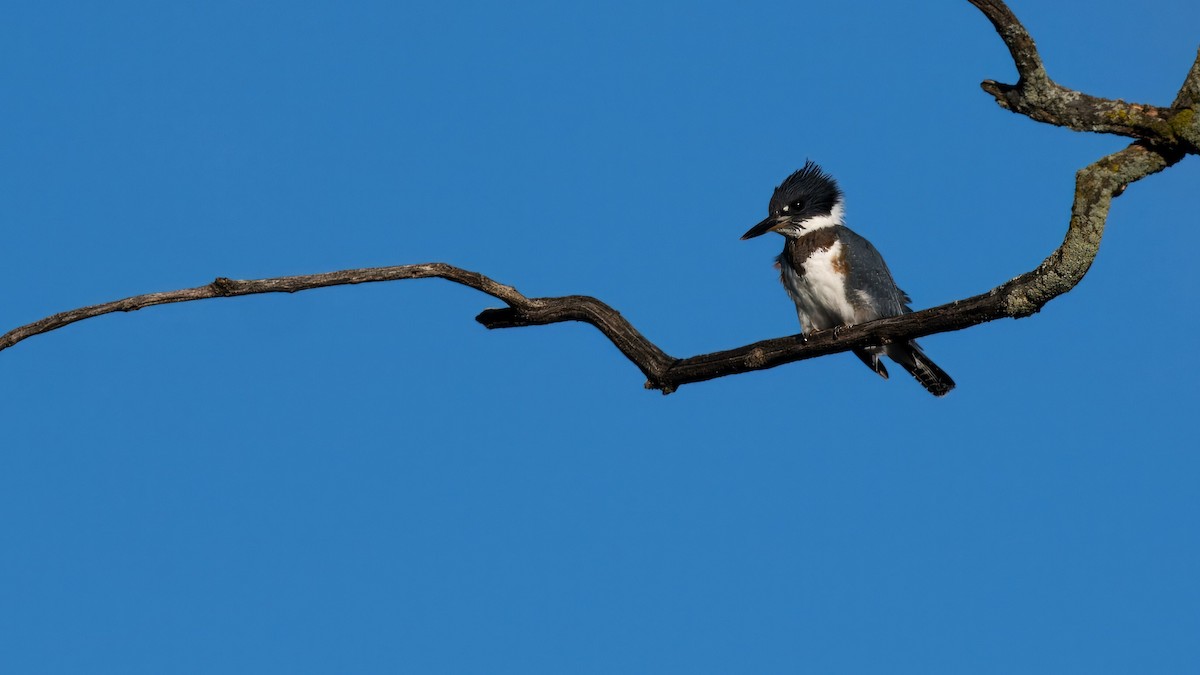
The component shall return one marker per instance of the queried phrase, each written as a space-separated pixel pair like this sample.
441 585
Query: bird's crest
818 189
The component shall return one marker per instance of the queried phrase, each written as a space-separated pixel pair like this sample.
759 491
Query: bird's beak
764 227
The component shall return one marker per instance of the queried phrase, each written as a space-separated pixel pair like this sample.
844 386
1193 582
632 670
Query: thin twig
222 287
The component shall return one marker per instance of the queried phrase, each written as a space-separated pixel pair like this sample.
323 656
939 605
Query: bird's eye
798 205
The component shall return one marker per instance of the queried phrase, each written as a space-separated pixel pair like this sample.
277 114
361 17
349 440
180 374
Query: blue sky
364 480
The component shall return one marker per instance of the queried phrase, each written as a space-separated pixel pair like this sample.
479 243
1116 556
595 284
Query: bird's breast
816 282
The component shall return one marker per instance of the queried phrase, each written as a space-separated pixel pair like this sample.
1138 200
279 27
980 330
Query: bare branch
1096 185
1189 93
1020 45
1186 120
223 288
653 362
532 311
1166 136
1038 97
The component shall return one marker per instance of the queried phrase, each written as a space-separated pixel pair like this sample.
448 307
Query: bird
835 276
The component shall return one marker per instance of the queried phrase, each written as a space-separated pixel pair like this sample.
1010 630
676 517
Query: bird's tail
911 358
871 358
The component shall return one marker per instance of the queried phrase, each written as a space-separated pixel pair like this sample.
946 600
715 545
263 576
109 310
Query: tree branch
1038 97
222 287
1095 187
1165 136
1186 120
532 311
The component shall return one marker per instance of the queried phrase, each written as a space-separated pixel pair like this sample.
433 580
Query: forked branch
1039 97
1164 136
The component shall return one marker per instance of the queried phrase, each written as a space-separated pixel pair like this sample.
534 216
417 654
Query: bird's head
807 200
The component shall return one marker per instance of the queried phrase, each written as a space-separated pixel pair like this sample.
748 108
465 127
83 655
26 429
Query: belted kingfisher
835 277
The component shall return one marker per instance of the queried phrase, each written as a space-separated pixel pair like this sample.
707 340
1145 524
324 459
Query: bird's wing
872 290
